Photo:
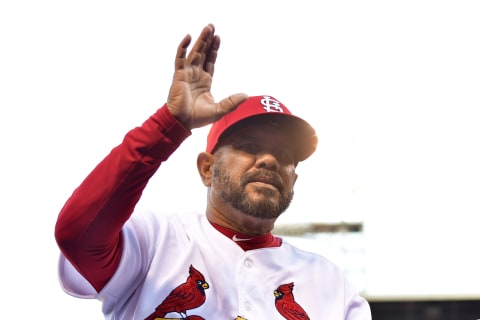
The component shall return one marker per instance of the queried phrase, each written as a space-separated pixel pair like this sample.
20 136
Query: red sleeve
88 228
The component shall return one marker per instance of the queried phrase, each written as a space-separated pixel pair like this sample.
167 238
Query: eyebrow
281 144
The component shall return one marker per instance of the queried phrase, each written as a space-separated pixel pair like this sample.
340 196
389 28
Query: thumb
229 104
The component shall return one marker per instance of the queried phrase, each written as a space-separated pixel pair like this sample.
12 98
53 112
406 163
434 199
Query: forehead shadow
246 128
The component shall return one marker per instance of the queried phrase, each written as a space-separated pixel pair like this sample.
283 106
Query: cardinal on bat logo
188 295
286 305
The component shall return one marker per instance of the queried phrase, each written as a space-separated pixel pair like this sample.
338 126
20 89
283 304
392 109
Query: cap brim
303 134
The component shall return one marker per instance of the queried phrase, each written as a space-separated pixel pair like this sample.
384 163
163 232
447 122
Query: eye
249 147
284 155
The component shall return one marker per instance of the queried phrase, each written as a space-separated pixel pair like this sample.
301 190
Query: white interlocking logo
271 105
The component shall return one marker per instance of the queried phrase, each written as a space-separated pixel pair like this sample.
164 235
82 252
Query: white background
391 87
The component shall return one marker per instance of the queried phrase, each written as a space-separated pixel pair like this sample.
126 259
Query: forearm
88 229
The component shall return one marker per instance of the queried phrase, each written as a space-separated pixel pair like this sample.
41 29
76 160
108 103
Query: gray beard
236 196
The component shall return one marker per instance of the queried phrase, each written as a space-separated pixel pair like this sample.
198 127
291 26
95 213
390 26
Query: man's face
254 171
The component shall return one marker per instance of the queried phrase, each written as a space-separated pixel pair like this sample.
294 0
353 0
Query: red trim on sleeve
88 228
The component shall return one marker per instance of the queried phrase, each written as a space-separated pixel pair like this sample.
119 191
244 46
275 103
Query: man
221 264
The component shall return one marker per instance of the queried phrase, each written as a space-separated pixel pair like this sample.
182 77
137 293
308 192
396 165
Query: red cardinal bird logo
188 295
286 305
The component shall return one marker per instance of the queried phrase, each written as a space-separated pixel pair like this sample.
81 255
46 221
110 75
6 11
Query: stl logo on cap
261 106
270 104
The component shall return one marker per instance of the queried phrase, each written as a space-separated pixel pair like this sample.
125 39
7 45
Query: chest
228 284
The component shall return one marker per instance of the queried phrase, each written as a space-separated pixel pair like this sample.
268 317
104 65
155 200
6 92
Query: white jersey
164 253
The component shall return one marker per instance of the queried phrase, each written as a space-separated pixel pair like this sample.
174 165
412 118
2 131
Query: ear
205 162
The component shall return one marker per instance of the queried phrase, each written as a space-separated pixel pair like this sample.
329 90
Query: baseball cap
265 108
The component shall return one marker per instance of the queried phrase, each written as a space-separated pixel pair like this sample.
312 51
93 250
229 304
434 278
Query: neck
238 221
247 242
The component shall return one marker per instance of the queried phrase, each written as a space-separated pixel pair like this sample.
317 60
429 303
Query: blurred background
391 194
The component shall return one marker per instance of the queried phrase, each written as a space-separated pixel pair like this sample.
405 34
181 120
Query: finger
182 52
201 46
229 104
209 65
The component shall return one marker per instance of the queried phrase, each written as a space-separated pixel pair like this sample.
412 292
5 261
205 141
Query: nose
267 160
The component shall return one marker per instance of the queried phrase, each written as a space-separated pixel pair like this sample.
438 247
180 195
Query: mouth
264 183
264 186
269 181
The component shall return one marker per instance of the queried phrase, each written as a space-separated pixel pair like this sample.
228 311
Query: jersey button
248 263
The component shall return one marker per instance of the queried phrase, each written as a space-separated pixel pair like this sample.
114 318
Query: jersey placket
253 290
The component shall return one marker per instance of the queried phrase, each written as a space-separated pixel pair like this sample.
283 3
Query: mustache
264 176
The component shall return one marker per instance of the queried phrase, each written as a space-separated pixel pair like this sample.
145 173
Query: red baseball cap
265 108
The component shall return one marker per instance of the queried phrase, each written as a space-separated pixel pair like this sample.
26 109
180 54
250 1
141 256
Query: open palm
190 100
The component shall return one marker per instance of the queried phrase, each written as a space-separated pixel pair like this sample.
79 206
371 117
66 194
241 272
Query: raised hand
189 99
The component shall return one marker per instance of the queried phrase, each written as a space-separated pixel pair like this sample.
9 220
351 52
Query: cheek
227 171
236 166
290 178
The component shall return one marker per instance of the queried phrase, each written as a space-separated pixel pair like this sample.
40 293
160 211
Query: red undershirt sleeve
88 228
